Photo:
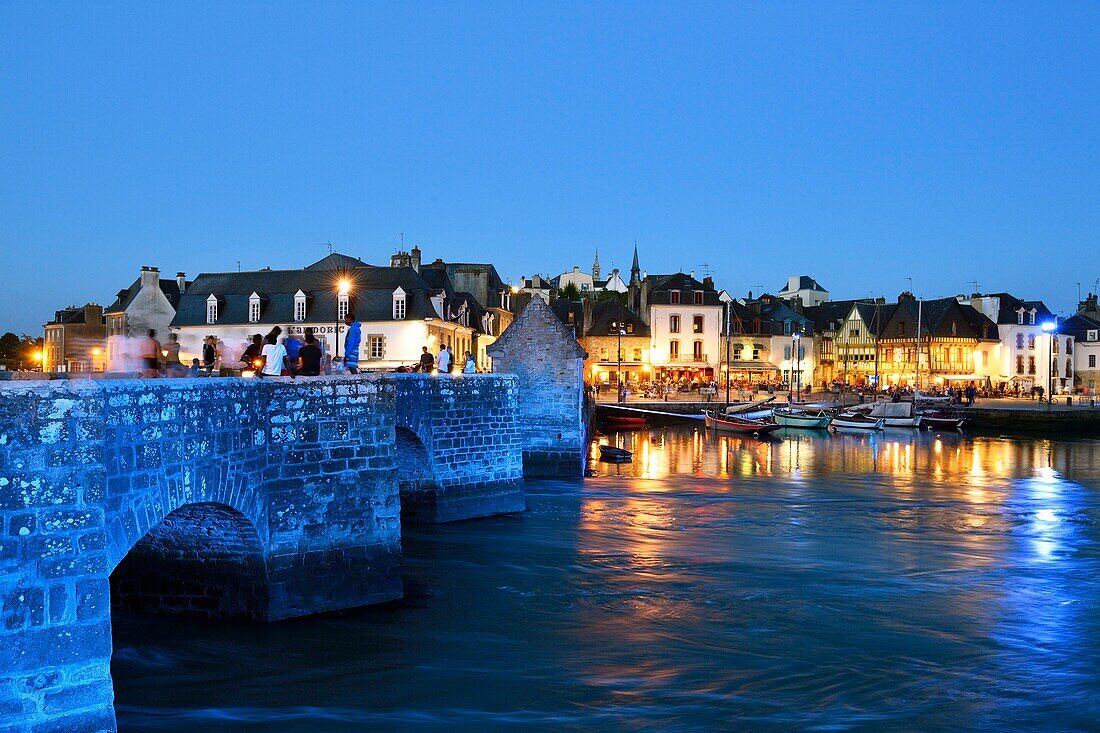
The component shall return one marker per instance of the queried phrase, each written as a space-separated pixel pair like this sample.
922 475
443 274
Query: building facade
805 290
74 340
398 311
148 304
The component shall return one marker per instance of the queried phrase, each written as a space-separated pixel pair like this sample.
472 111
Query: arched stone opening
415 478
203 560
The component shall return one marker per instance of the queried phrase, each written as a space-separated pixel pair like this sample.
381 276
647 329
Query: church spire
596 265
635 271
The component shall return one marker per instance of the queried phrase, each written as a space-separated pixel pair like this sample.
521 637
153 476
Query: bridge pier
460 451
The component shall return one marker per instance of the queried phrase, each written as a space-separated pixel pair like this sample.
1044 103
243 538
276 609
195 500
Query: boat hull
802 421
742 427
840 423
941 423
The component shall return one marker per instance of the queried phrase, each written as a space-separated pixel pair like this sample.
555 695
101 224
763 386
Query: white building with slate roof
399 311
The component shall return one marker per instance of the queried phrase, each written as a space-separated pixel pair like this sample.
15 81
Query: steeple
596 265
635 271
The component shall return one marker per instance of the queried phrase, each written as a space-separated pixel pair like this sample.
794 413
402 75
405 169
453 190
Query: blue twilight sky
862 143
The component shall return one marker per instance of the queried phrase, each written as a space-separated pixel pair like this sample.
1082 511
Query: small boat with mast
731 419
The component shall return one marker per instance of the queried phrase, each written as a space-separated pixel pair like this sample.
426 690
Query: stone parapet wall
87 469
469 427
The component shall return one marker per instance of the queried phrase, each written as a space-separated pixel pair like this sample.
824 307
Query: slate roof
605 312
935 314
1078 326
805 282
168 286
660 285
1006 314
830 315
72 315
777 310
337 261
371 295
536 322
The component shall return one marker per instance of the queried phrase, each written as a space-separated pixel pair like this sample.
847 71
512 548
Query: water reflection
899 581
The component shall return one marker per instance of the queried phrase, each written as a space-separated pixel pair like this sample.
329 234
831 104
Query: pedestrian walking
352 340
173 367
150 354
209 354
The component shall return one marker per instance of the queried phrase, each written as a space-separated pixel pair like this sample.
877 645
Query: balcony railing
688 359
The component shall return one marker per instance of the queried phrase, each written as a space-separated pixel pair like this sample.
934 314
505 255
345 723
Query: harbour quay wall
287 484
1060 421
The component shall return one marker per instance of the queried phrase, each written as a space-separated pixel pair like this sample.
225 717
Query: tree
9 348
570 292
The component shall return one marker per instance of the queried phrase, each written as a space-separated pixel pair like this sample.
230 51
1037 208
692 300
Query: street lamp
618 326
798 363
1051 327
343 287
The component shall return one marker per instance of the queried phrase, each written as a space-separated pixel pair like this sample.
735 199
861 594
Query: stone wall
549 367
88 469
468 427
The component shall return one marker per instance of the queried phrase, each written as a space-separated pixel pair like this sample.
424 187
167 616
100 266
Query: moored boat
857 421
625 419
736 424
614 454
893 414
941 420
790 417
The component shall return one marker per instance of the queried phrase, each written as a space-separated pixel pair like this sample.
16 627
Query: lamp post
1051 327
343 287
618 326
797 340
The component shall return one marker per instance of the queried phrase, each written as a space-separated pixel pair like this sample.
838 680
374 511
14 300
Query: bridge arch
202 560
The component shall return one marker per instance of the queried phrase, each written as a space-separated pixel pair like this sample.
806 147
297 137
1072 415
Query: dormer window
399 304
1093 334
698 297
254 308
299 306
1031 317
1020 317
212 309
674 297
343 306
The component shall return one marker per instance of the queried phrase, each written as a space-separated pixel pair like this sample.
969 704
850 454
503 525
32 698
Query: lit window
299 306
376 347
697 324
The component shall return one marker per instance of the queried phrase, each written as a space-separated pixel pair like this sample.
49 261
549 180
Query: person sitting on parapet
273 359
309 356
427 361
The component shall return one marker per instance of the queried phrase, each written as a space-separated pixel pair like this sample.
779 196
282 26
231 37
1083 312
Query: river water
813 582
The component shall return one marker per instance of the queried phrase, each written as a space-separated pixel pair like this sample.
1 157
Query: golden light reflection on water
945 459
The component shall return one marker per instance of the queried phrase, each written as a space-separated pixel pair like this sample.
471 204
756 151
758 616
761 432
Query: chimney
415 255
181 281
150 277
586 316
400 259
708 282
749 296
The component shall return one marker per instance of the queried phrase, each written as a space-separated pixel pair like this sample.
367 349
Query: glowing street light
1051 327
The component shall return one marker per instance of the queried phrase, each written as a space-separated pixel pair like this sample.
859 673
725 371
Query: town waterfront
901 581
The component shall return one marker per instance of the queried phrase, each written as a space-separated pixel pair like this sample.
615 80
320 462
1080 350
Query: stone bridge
220 497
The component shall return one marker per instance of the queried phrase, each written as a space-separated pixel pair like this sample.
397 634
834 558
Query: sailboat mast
920 304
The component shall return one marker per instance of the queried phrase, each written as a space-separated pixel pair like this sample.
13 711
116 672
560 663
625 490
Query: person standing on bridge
427 361
443 361
352 340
